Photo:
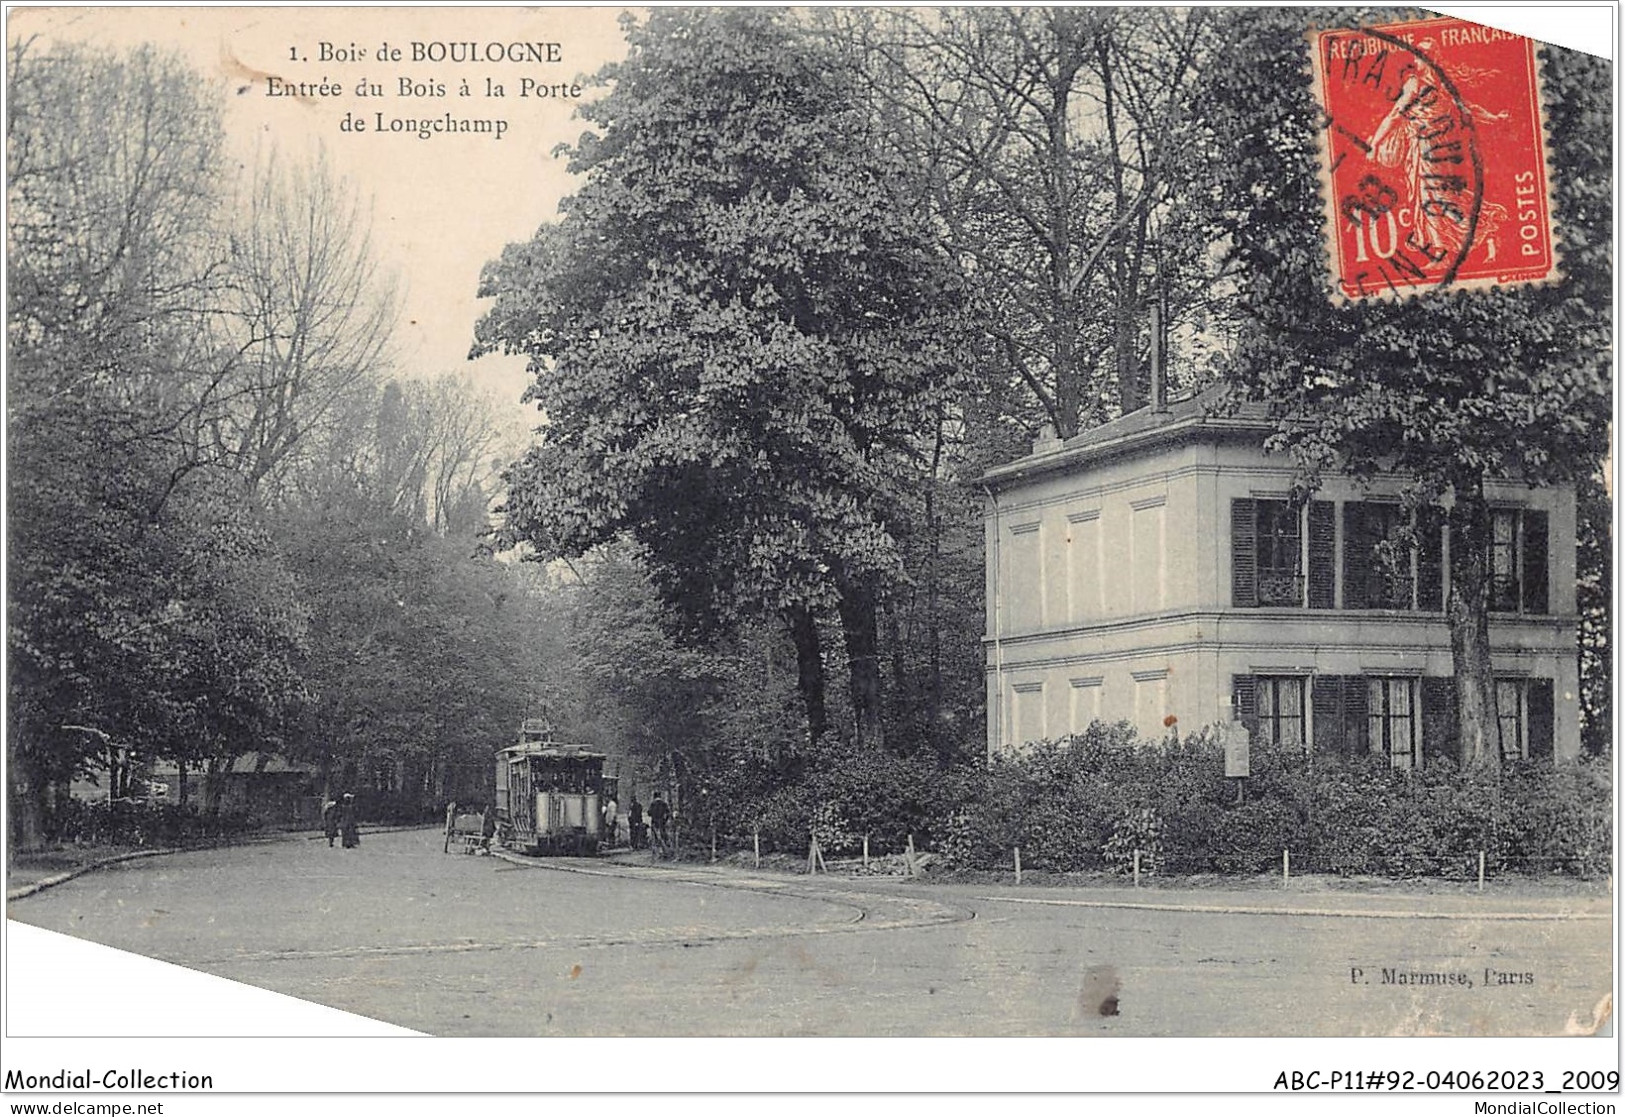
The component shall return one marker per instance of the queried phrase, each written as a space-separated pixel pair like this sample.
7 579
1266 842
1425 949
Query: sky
442 206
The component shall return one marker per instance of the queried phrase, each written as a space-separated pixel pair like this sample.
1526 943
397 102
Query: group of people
659 818
339 821
339 818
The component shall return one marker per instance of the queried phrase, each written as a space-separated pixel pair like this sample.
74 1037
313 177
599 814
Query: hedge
1088 801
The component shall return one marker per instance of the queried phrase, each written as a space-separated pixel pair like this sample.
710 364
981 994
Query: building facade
1156 570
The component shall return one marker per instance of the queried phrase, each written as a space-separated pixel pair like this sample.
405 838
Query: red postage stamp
1434 159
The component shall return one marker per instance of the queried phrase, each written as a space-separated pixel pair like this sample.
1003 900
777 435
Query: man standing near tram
659 815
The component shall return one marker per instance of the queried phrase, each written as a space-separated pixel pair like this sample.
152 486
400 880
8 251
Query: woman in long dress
348 824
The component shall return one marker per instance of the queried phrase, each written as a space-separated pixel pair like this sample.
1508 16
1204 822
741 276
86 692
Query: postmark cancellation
1433 159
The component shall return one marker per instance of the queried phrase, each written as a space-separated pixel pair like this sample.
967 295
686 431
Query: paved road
456 945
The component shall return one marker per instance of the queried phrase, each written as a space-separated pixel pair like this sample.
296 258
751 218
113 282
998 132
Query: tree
304 320
424 652
142 613
737 335
1451 390
1054 149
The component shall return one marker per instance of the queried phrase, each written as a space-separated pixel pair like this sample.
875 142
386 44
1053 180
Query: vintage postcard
626 534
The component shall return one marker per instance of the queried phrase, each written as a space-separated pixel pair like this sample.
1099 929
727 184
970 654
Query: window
1280 553
1391 560
1280 710
1391 715
1273 542
1388 581
1512 717
1517 560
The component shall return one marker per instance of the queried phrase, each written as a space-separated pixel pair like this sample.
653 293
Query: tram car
549 794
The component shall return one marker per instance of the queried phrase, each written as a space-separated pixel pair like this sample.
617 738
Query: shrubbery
133 823
1087 802
849 793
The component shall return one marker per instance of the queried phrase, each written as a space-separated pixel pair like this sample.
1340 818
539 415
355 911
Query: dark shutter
1540 719
1439 735
1326 703
1243 553
1534 562
1322 554
1244 693
1357 557
1430 560
1356 708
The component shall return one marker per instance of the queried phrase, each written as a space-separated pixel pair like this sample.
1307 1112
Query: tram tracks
869 912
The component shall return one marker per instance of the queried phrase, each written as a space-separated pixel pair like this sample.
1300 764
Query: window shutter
1534 562
1322 554
1326 704
1356 708
1243 553
1439 735
1357 557
1430 560
1244 692
1541 729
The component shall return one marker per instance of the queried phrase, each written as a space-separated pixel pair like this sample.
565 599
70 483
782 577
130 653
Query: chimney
1159 357
1048 439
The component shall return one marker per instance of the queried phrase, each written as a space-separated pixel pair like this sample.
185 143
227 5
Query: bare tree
1047 142
305 322
113 186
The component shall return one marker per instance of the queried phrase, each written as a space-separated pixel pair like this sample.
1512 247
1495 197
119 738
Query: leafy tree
143 615
1452 390
423 648
737 336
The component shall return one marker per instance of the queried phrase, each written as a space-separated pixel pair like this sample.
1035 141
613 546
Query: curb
26 890
1323 913
710 876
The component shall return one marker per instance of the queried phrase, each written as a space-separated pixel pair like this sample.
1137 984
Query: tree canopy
736 332
1451 390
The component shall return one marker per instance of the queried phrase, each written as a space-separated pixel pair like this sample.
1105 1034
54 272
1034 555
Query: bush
1086 802
126 822
849 793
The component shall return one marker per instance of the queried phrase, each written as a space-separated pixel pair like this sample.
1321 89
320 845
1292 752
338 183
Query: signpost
1237 750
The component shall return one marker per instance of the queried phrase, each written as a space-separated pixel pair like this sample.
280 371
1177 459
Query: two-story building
1156 570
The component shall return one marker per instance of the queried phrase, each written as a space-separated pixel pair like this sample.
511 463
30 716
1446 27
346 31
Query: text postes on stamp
1434 159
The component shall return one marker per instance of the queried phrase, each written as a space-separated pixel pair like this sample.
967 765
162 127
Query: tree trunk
857 607
30 794
809 667
1469 615
212 786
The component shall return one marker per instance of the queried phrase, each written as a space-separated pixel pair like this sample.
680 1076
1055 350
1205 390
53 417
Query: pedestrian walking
612 811
348 823
330 821
451 824
659 815
634 819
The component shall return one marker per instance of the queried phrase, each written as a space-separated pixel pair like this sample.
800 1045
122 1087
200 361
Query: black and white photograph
809 549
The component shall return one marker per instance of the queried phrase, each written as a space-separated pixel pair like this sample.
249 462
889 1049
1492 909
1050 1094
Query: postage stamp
1434 164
